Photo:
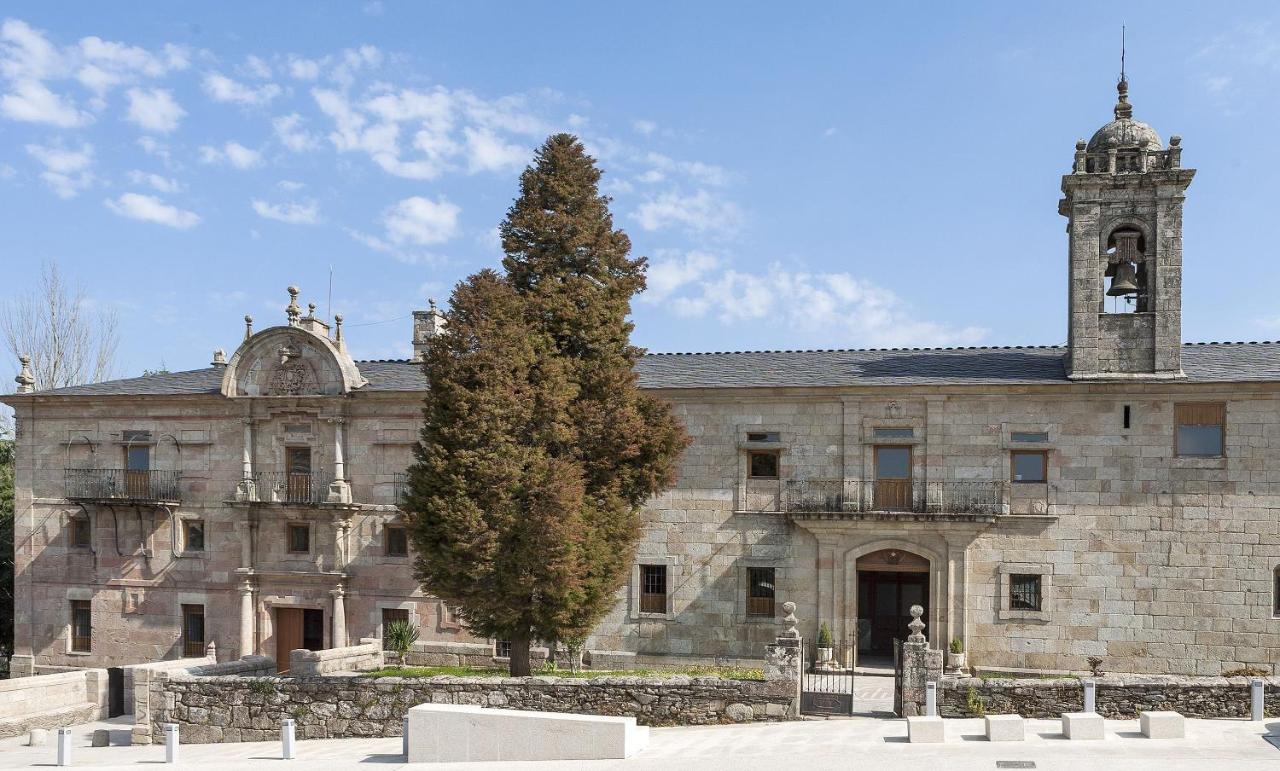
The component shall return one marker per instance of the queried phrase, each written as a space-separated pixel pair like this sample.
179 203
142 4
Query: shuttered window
1200 429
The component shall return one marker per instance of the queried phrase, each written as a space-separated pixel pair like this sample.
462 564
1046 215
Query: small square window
763 436
653 588
502 649
1024 592
1029 437
192 535
299 539
895 433
760 588
81 532
1200 430
762 465
1029 467
81 626
397 541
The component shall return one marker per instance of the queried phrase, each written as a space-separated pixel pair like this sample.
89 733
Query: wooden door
288 635
137 472
298 472
893 478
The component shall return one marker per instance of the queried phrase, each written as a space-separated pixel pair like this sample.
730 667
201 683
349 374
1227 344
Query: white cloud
233 154
224 89
291 134
420 221
413 223
487 152
645 127
700 212
669 272
290 185
352 61
256 67
293 213
30 101
828 308
148 208
303 69
154 109
155 181
26 54
66 172
702 173
151 146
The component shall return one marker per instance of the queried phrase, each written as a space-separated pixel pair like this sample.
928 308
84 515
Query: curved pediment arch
290 361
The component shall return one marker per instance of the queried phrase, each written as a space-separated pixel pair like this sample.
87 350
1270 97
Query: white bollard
930 699
404 738
171 742
1090 696
64 746
286 739
1257 707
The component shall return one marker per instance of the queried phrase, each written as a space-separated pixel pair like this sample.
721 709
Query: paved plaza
845 743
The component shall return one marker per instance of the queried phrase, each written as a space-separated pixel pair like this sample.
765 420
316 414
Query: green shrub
977 706
400 637
824 636
957 646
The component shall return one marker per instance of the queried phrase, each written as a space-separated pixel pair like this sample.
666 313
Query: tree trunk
520 664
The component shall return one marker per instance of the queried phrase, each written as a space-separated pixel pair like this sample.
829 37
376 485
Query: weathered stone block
457 733
1162 725
1004 728
1082 725
925 730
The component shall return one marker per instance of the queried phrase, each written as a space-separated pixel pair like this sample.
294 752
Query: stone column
246 490
339 617
339 490
246 620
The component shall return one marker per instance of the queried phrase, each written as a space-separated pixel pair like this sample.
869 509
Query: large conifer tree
538 450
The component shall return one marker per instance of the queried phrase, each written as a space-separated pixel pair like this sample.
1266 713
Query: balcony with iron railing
399 487
115 484
842 497
286 487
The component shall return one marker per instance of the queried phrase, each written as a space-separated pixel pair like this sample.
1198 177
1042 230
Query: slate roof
1202 362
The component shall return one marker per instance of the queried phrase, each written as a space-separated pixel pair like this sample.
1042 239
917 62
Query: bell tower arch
1123 204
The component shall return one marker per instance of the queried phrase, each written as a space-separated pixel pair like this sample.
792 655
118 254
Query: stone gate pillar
920 664
782 661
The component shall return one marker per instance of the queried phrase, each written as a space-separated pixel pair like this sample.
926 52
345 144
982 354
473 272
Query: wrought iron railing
285 487
399 486
122 484
817 496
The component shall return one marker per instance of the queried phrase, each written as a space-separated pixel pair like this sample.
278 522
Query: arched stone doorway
889 582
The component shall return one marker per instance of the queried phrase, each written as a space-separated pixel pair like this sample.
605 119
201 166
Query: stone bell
1125 280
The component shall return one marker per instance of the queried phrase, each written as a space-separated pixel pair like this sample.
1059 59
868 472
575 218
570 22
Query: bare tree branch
70 341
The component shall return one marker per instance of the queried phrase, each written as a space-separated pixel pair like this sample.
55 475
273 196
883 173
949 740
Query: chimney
426 325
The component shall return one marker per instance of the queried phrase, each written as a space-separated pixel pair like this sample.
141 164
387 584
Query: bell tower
1123 204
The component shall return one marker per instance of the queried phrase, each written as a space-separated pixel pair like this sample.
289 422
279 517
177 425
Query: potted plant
824 644
955 656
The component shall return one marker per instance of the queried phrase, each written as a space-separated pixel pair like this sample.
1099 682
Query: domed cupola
1124 132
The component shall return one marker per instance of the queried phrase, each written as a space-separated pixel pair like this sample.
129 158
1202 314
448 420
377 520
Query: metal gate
826 686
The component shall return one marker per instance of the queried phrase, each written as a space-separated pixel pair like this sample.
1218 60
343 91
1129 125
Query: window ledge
79 653
1193 461
642 616
1025 615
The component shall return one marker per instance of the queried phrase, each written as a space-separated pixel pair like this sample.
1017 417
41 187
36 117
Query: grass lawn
728 673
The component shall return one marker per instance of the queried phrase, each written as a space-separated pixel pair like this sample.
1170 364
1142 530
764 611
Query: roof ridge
863 350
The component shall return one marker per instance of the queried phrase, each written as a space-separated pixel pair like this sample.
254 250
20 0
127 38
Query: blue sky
822 176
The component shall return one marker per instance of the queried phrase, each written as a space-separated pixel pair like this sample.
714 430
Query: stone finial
311 310
916 626
1124 110
248 326
1175 141
790 621
219 357
211 651
25 380
337 322
426 325
292 312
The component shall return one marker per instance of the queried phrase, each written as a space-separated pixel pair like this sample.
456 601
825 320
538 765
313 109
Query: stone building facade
1116 497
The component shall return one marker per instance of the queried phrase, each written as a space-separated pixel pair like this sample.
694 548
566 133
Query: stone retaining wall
50 701
1117 696
352 658
233 709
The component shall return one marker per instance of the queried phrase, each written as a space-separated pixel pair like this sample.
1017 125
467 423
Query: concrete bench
925 730
1005 728
457 732
1162 725
1082 725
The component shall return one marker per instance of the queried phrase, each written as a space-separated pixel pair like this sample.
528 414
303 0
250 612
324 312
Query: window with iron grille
81 626
390 615
299 539
396 541
762 465
81 532
193 644
653 588
1024 592
1200 430
502 649
192 535
760 591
